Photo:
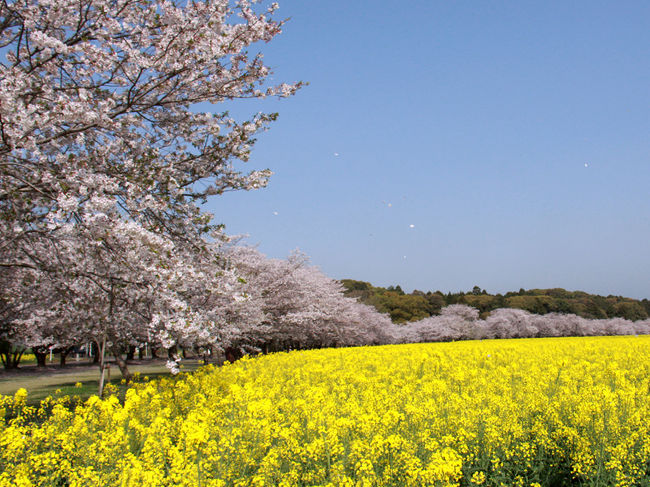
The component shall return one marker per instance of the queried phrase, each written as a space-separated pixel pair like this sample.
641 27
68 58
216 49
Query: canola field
529 412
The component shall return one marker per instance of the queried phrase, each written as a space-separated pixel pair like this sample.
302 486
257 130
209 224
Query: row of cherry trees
461 322
267 305
111 139
243 303
107 153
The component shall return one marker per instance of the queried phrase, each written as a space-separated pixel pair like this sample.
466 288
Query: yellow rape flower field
529 412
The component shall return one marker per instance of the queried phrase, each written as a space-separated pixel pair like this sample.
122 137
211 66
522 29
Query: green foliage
535 304
352 285
394 301
631 310
404 307
482 302
401 307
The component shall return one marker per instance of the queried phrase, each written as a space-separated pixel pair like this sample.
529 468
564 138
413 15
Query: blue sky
513 135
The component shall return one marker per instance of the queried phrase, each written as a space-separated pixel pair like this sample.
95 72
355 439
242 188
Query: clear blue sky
474 121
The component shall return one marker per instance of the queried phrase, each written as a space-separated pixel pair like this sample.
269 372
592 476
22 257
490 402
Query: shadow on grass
85 389
37 406
83 384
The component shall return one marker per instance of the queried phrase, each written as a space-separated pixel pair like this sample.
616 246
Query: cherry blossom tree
105 159
97 109
301 307
611 326
455 322
641 327
511 323
97 112
566 325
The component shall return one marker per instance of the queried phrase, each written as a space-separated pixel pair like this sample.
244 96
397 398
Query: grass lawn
55 381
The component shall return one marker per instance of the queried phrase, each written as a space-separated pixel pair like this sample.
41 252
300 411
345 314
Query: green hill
404 307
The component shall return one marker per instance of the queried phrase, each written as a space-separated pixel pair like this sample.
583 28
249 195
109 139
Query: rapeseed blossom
529 412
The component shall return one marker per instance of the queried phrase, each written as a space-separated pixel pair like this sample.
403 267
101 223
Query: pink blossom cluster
461 322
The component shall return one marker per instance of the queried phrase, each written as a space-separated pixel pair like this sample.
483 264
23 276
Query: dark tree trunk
41 355
154 352
95 351
10 355
140 353
232 354
171 353
63 354
10 360
130 355
121 363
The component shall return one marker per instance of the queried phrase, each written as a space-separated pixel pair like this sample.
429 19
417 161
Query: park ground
79 378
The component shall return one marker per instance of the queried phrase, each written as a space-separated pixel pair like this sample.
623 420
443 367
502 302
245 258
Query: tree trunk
10 360
121 363
171 352
96 352
10 355
102 362
5 360
63 354
41 355
102 365
130 355
232 354
41 358
154 352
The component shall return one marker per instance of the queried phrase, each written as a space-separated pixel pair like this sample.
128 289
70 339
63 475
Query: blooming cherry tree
301 307
97 108
105 159
511 323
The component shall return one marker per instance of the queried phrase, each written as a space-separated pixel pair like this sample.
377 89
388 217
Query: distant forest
403 307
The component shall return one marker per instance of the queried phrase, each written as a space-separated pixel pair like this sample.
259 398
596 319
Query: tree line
107 156
403 307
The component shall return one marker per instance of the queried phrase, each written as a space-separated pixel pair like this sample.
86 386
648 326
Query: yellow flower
414 415
478 478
